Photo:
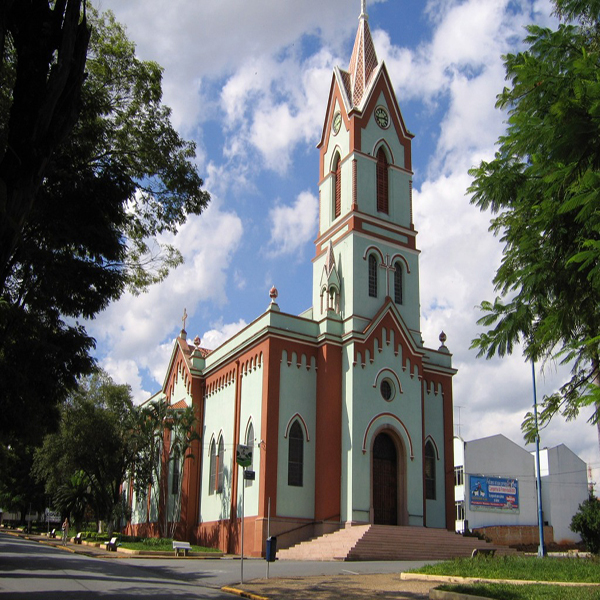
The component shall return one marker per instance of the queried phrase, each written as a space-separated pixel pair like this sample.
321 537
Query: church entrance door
385 481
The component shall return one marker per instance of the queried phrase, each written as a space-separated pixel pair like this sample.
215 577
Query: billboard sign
494 494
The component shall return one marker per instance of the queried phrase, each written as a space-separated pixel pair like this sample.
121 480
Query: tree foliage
87 212
95 447
586 522
543 188
159 461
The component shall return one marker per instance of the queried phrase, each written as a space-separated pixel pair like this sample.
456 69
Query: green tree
160 465
96 444
121 177
543 188
586 522
19 490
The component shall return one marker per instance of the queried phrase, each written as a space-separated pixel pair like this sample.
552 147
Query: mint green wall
219 411
298 393
181 391
363 403
251 410
434 427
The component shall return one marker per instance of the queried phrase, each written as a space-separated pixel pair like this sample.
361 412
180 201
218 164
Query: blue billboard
494 494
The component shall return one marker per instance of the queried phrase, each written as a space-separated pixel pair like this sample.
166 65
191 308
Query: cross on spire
184 318
363 8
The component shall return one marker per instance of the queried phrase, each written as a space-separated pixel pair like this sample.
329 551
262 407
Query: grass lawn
502 591
529 568
160 545
137 543
569 570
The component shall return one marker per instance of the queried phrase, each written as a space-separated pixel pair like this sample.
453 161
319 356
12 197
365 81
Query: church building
347 412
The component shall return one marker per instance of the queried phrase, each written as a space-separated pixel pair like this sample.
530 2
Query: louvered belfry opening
382 182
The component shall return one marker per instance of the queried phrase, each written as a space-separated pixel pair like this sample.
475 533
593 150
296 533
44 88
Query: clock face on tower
381 117
337 122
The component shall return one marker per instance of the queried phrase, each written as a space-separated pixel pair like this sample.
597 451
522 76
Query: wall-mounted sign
243 455
493 494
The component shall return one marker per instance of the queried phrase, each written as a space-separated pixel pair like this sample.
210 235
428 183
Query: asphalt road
33 571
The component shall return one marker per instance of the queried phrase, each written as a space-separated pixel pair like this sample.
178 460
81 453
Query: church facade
348 414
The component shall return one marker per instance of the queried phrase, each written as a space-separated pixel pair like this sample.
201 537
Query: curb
243 594
455 579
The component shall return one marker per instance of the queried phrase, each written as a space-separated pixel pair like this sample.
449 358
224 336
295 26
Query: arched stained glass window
429 471
296 455
212 473
220 463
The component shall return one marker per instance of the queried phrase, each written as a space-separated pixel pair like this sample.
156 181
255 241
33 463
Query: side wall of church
297 402
250 414
219 416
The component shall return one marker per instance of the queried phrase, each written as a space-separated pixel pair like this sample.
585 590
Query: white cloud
292 226
221 333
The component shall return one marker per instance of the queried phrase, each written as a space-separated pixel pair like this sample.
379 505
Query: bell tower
366 247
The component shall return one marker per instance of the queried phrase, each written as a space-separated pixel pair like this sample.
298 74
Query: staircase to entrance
386 542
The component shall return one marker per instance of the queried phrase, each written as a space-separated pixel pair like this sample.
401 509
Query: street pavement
47 571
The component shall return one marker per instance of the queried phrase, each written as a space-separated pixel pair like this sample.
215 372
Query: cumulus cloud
292 226
255 78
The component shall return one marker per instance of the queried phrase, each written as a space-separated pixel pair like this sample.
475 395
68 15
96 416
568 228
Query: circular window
387 390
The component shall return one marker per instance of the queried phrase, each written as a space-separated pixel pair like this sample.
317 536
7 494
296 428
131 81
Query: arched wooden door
385 481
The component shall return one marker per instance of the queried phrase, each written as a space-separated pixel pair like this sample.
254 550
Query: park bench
52 534
78 538
184 547
112 545
483 552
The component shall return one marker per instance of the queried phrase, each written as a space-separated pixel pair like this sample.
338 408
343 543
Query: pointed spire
364 59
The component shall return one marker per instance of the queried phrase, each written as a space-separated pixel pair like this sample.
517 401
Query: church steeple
364 58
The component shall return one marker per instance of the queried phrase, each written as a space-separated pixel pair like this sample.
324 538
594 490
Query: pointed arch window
296 455
212 472
372 276
382 182
220 463
398 282
176 475
337 187
250 442
429 471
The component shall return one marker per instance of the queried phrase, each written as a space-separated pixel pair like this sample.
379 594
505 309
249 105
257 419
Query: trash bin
271 548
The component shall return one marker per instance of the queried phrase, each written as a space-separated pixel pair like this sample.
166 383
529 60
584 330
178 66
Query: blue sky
248 80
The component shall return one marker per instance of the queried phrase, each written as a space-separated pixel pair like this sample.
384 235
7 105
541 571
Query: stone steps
383 542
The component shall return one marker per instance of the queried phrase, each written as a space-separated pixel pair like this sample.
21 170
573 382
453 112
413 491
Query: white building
495 487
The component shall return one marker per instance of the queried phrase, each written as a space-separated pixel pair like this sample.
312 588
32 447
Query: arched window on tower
372 276
337 187
398 282
429 471
296 455
382 182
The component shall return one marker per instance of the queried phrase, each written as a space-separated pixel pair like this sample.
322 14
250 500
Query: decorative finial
443 347
273 294
363 8
197 342
443 338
